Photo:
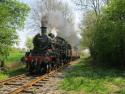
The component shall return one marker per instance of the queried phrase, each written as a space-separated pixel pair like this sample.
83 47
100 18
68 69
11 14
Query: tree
55 5
12 17
94 5
29 43
44 7
88 30
107 35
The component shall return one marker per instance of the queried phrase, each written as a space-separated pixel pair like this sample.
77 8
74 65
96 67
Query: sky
23 34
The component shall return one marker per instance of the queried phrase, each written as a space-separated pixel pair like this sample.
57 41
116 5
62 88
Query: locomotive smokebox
44 25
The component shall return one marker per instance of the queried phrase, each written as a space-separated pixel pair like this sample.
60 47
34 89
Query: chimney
44 25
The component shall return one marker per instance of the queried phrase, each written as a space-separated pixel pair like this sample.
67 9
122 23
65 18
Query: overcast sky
26 32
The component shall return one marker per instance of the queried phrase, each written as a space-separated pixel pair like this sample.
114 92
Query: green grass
13 66
3 75
12 72
14 57
87 79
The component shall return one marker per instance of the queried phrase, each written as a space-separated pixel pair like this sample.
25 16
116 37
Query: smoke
58 25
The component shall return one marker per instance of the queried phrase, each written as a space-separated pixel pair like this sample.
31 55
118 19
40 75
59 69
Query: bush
107 38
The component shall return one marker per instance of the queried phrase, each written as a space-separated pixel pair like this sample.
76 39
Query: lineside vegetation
104 34
12 17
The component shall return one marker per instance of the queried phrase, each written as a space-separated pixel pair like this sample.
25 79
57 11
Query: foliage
13 65
12 72
106 40
29 43
12 17
14 57
83 78
3 76
94 5
87 26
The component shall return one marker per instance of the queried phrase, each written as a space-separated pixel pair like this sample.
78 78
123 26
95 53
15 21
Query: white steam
58 25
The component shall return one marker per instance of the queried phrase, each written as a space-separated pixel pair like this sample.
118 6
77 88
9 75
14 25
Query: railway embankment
86 78
13 66
44 84
80 77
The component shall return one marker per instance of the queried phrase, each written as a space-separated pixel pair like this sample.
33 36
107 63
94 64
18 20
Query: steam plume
58 25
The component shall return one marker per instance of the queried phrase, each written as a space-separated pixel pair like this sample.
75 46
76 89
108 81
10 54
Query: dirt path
51 86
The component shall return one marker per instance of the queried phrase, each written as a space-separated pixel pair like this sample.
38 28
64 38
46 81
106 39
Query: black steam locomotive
49 52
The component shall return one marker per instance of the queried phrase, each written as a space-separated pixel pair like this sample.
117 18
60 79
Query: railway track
11 78
24 84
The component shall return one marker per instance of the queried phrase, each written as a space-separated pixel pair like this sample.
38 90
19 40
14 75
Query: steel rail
11 79
31 83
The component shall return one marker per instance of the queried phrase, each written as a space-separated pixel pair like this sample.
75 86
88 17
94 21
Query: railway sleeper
38 84
41 82
31 90
45 79
28 91
13 84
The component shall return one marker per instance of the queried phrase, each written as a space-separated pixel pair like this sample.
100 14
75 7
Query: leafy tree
12 17
94 5
108 40
88 31
87 27
29 43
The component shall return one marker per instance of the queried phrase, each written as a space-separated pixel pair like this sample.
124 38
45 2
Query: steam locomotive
49 53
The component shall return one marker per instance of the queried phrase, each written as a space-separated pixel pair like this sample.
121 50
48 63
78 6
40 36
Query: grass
3 76
86 79
13 72
14 57
13 66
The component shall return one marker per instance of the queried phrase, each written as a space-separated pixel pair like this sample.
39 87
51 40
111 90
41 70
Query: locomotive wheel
62 62
54 66
47 68
41 69
30 67
58 62
27 66
44 68
38 68
50 68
